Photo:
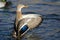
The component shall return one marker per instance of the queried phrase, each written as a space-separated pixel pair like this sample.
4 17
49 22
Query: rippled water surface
49 28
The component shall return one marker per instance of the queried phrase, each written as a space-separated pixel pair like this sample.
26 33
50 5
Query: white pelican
2 3
24 22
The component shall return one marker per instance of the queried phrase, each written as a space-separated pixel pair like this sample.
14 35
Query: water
49 28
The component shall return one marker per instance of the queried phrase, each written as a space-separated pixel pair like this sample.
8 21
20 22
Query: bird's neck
19 14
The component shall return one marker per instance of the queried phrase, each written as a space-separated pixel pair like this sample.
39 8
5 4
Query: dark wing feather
20 23
15 24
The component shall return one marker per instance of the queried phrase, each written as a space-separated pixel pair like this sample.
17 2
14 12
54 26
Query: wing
15 24
22 22
27 23
22 26
34 22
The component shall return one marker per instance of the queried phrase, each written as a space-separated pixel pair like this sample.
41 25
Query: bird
25 22
5 4
2 3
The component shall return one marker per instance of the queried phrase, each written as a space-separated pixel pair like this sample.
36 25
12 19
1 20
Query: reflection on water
48 30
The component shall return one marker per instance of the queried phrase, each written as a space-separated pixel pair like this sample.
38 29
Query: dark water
48 30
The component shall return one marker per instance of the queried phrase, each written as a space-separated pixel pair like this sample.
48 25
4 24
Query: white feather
2 4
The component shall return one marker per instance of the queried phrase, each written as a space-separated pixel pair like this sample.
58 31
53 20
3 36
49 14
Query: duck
5 4
2 3
25 22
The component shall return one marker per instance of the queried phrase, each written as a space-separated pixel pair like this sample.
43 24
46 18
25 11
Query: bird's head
3 0
20 6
